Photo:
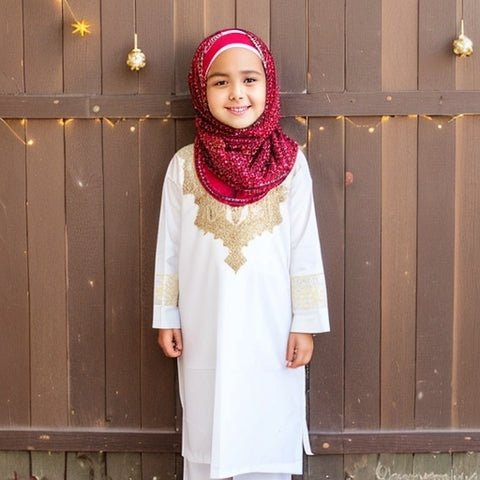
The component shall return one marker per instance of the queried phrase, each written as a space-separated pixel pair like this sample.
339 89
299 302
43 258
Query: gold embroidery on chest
234 226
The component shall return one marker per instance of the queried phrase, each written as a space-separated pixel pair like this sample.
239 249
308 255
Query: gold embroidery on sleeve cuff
308 292
166 290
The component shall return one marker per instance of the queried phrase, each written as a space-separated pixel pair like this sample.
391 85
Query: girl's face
236 88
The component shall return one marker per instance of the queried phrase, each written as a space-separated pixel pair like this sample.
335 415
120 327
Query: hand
170 341
299 349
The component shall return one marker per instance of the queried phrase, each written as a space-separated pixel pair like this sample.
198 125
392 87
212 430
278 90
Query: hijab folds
238 166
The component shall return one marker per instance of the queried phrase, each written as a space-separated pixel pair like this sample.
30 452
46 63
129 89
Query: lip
238 110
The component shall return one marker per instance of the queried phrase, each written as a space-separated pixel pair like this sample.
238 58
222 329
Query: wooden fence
373 93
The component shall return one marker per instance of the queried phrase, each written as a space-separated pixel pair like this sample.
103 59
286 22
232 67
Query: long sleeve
165 310
309 292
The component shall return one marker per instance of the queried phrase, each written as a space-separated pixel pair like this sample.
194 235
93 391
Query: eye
250 80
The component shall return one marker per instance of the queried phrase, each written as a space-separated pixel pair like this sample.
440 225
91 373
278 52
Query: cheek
261 99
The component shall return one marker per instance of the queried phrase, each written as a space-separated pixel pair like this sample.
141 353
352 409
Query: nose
236 91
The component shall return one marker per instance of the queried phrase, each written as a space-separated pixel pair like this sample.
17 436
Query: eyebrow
243 72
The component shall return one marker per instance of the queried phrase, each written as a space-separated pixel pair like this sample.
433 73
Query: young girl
239 281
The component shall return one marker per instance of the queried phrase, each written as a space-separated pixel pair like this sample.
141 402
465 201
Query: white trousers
201 471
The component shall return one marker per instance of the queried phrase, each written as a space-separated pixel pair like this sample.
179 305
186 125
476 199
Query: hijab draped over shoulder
238 166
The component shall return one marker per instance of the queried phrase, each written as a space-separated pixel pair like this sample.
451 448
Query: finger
177 339
168 342
291 351
302 357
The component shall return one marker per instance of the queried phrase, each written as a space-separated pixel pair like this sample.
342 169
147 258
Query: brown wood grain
156 40
437 27
14 308
43 64
326 47
362 274
254 15
82 56
157 146
118 29
189 32
399 258
326 157
288 46
363 45
446 103
435 273
122 273
47 273
12 79
400 45
85 270
219 14
326 160
466 335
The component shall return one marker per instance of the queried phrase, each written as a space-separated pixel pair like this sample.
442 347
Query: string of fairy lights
370 128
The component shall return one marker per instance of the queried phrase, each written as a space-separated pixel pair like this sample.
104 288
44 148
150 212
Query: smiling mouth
238 110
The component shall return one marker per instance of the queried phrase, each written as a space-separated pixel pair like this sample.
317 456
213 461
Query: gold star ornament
83 28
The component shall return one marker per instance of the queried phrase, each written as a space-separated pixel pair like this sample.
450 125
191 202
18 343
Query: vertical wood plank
14 311
363 43
288 43
466 377
326 160
157 146
466 72
124 466
118 29
46 254
82 55
326 399
254 15
326 47
189 32
437 28
122 276
155 29
362 274
14 465
399 221
11 58
436 227
432 464
466 465
297 129
360 467
48 465
122 288
159 467
399 45
394 466
85 238
219 14
184 133
85 466
43 46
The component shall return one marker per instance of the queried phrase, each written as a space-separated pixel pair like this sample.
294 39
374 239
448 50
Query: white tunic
238 280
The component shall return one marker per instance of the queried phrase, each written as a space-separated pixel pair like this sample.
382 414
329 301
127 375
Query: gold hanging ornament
136 59
462 45
81 27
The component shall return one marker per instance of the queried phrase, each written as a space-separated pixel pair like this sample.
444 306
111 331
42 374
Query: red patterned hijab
238 166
